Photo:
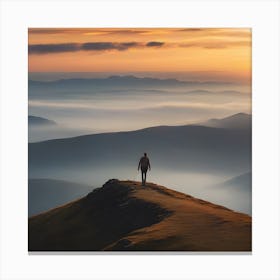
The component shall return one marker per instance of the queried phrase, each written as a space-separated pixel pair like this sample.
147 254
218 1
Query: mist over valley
86 131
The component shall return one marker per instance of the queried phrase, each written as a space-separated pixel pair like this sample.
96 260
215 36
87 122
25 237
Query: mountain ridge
126 80
236 121
238 179
125 216
192 146
203 124
35 120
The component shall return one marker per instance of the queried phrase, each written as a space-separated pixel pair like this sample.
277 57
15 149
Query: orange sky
224 51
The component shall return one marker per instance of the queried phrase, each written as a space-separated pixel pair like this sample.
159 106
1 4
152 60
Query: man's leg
142 172
145 175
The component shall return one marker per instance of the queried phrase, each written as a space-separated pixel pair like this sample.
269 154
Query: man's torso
144 161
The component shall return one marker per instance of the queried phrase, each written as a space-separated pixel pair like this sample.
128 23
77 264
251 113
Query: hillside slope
193 148
124 216
237 121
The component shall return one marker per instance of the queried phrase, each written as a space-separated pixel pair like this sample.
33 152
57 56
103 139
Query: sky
222 54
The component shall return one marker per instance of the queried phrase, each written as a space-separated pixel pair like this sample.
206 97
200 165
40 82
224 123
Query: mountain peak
236 121
35 120
125 216
238 116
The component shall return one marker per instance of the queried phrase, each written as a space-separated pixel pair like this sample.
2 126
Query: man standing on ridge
144 163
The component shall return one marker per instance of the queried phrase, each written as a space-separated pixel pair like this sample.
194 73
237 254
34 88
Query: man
144 163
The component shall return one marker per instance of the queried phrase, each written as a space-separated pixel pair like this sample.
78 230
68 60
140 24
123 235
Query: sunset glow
222 53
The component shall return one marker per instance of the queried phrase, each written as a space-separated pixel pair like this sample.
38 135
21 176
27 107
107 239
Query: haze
92 81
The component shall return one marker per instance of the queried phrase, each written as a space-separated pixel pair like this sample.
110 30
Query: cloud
154 44
153 105
128 31
190 29
215 44
123 46
103 46
87 31
74 47
89 46
47 31
52 48
194 32
217 32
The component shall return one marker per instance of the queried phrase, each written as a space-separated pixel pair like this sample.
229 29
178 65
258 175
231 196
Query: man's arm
149 165
139 164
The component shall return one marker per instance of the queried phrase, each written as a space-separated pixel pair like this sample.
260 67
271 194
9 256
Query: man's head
145 154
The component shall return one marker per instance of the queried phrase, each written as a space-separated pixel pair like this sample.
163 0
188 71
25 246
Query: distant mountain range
242 182
236 193
39 121
125 216
117 82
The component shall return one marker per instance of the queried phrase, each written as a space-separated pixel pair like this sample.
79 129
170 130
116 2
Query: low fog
201 169
96 110
208 186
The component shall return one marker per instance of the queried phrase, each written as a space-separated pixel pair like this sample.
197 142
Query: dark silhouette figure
144 163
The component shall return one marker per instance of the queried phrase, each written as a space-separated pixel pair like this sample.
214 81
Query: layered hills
186 147
118 81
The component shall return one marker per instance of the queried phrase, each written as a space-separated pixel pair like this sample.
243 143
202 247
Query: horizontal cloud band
89 46
123 46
